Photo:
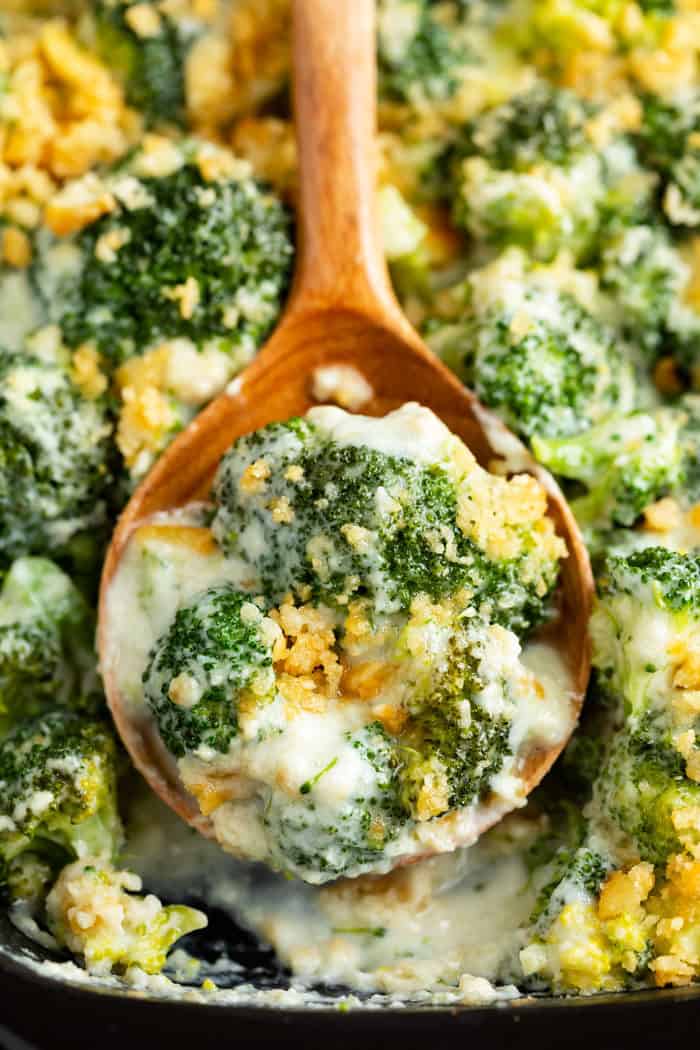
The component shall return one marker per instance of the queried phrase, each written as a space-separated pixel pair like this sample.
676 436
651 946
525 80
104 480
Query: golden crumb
147 417
281 510
365 681
195 538
86 372
307 649
663 516
359 538
77 205
254 477
624 891
144 20
295 474
187 295
216 164
16 248
109 244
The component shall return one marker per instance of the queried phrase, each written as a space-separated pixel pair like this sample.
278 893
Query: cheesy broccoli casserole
341 652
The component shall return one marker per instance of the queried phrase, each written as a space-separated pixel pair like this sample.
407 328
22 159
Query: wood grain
341 310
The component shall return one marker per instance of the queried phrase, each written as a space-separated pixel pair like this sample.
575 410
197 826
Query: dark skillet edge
51 1013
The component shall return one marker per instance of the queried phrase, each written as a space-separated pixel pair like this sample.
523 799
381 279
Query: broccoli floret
667 141
625 463
150 63
574 873
46 643
317 844
516 172
656 575
643 631
642 784
645 275
96 912
437 748
197 671
219 287
540 360
419 55
55 457
335 519
644 597
57 794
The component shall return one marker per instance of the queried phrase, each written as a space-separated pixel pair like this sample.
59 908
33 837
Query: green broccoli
625 463
342 519
318 844
573 873
420 59
46 643
57 796
436 745
55 457
449 759
641 785
655 587
117 928
150 65
668 144
541 361
220 287
643 625
516 169
212 652
645 275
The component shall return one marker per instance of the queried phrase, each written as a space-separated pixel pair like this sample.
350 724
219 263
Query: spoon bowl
341 311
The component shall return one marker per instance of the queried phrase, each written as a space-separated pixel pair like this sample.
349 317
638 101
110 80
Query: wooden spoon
341 311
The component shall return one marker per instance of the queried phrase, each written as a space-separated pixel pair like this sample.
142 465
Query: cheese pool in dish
336 661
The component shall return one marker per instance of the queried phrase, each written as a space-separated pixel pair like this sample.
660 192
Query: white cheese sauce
428 927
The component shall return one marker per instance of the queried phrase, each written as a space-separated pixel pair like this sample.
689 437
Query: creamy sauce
419 930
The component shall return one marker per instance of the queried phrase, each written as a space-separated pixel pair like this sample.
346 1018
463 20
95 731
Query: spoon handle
341 261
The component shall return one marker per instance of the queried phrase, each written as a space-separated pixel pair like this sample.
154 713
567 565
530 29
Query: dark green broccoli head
644 599
656 576
573 872
150 65
55 458
197 670
221 285
437 744
644 274
642 784
31 666
545 124
423 59
668 144
57 794
516 172
543 363
449 758
320 844
46 643
625 464
333 521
